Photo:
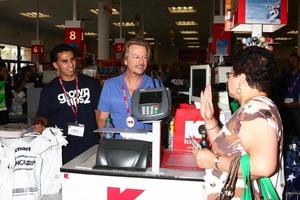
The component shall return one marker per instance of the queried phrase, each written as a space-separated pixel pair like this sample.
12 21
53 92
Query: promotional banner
243 14
263 11
221 40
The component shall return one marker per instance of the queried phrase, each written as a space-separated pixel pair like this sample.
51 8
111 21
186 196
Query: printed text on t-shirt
83 97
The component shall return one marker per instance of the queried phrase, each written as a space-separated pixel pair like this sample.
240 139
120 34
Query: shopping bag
186 123
267 189
245 166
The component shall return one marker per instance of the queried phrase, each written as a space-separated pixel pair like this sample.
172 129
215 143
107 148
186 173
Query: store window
9 52
17 56
25 54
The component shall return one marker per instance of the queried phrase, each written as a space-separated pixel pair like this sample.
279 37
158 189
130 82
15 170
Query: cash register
150 105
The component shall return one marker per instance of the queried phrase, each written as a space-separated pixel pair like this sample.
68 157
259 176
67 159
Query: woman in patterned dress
255 128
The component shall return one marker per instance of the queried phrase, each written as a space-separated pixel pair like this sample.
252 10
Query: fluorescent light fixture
152 43
131 32
192 43
127 24
275 43
182 9
115 12
186 23
95 11
34 14
193 46
90 34
60 26
191 38
149 38
189 32
294 32
283 38
134 33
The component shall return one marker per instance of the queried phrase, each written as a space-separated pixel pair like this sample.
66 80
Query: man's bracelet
209 129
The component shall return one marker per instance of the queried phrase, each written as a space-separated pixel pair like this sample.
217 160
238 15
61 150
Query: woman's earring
238 90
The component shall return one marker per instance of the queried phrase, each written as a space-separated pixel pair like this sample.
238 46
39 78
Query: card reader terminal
151 103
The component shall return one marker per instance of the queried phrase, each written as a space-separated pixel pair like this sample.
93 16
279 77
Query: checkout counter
81 180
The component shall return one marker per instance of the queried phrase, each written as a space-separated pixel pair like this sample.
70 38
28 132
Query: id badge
130 122
288 100
76 130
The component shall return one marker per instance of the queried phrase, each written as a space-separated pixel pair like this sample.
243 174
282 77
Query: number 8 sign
75 37
72 35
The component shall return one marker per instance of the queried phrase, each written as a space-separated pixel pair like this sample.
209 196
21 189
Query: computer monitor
199 78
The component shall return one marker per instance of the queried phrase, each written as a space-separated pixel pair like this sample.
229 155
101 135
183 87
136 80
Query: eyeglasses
228 74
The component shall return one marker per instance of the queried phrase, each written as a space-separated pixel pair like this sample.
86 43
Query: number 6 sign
37 49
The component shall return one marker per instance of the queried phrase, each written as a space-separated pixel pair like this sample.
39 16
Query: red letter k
113 193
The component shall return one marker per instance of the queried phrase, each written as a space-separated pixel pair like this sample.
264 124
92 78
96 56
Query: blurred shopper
24 81
291 98
255 128
5 94
115 99
70 102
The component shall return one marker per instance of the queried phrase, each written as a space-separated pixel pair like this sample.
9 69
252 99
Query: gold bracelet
209 129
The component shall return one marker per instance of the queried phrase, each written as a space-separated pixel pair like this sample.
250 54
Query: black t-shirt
54 106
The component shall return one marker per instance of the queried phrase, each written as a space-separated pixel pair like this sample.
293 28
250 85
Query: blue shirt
112 101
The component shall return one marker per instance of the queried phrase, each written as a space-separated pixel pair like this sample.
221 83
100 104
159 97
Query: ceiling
158 22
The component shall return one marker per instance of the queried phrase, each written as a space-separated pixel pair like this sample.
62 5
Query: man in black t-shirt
70 101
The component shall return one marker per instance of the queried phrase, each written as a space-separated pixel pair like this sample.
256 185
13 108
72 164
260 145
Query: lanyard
125 101
290 89
75 106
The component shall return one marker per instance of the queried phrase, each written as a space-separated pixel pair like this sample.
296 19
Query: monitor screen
150 97
200 77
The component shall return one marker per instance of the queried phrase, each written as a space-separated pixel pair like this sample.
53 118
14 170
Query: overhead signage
75 37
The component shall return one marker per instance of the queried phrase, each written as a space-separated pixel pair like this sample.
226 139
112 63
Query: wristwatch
217 161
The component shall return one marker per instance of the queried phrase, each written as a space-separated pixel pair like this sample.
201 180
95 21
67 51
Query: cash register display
151 103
